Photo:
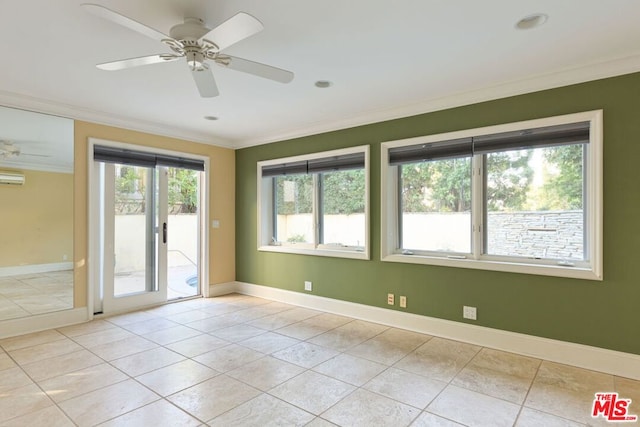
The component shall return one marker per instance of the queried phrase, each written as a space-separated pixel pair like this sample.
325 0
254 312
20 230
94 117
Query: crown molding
563 77
21 165
25 102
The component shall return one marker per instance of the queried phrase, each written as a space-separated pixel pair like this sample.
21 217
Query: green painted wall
604 314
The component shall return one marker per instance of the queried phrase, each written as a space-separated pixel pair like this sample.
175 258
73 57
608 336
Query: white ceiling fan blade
127 22
256 68
234 29
205 82
136 62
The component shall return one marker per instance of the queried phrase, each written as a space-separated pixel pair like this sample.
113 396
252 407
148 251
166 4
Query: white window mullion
316 210
477 206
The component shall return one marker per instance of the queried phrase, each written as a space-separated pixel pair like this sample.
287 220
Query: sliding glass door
183 220
149 230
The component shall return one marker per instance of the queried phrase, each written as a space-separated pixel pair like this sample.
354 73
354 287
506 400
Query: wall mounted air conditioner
11 178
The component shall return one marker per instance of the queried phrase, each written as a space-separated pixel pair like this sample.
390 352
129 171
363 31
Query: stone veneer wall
548 234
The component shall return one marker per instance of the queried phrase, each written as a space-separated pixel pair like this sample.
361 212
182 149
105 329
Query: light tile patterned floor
245 361
35 293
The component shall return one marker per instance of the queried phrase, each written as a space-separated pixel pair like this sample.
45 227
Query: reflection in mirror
36 213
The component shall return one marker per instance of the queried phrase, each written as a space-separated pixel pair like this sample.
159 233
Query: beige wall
221 198
36 220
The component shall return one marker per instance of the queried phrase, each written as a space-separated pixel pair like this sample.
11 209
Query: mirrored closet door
36 214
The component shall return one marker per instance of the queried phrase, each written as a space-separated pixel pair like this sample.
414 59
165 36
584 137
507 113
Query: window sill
511 267
336 253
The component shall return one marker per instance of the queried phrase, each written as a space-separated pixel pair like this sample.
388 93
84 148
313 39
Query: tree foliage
445 185
131 185
563 189
343 193
294 194
438 186
129 191
509 177
183 190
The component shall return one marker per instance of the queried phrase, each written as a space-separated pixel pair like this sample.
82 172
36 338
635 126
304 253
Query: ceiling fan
8 150
199 44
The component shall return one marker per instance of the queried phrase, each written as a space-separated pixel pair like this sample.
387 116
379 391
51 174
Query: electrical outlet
308 286
403 301
469 313
390 299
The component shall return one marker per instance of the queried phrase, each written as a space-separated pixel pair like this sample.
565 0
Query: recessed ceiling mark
531 21
323 84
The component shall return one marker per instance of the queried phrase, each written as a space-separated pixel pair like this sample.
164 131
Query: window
524 197
315 204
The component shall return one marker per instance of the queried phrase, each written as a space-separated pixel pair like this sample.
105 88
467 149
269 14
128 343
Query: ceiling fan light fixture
196 61
531 21
323 84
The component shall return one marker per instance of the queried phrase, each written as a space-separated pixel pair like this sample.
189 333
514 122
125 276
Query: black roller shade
453 148
292 168
180 162
337 163
325 164
548 136
572 133
123 156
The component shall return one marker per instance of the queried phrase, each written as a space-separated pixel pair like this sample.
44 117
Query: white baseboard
223 289
41 322
598 359
35 268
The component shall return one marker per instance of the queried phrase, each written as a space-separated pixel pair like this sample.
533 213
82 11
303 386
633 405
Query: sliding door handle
164 232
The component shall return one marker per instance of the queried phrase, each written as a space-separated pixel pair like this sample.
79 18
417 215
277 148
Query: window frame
591 269
266 217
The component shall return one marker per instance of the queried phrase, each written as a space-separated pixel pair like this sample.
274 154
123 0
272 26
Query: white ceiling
386 60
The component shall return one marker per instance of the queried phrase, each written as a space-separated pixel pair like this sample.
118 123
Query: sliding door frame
93 248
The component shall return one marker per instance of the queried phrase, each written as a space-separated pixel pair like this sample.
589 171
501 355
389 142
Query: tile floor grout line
45 394
524 400
34 345
261 393
541 411
304 371
420 410
345 352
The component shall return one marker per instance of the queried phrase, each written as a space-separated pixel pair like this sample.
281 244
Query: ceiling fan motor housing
188 35
190 29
